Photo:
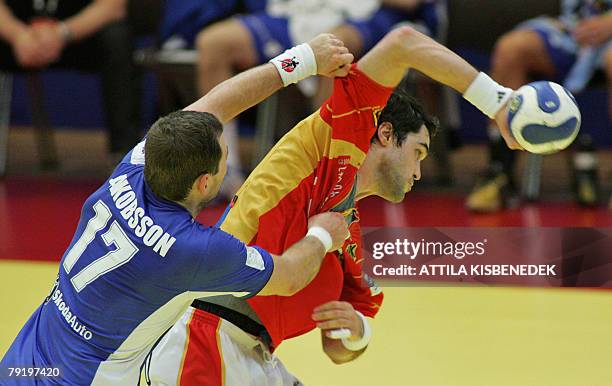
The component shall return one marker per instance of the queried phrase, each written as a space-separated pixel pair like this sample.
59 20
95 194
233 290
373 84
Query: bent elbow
404 43
404 32
401 37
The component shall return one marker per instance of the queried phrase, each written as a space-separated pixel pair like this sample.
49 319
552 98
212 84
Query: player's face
400 166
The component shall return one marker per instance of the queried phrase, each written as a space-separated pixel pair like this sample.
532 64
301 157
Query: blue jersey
135 264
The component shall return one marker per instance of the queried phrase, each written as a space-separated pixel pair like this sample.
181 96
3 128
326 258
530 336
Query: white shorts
203 349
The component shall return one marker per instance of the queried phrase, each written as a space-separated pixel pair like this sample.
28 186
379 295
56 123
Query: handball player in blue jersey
138 258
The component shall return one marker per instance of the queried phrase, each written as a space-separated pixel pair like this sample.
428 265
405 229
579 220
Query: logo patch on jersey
343 162
55 286
289 64
351 249
138 154
254 259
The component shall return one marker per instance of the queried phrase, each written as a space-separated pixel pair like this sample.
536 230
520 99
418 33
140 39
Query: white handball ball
543 117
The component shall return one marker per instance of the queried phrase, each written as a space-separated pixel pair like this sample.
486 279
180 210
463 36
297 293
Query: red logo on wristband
289 64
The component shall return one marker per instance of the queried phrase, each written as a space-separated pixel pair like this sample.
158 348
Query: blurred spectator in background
182 20
89 35
567 49
262 29
426 16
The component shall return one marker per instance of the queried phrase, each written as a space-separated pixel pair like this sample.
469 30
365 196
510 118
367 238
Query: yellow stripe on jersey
291 160
220 348
375 110
344 148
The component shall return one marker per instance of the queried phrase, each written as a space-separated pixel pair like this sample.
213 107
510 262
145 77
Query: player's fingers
511 142
504 129
342 50
337 42
332 314
346 58
332 39
335 323
341 71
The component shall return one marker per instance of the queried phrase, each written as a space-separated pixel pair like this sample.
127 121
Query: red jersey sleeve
352 110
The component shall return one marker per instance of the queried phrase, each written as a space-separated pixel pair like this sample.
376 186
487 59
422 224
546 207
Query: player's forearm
95 16
429 57
405 48
296 268
10 26
336 351
233 96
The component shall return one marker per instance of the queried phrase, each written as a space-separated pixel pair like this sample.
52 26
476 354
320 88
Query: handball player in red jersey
367 139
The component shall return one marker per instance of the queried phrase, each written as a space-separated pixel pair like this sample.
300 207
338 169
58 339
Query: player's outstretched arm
405 48
324 55
300 263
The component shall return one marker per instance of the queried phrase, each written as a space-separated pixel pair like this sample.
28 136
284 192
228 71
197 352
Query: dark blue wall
73 100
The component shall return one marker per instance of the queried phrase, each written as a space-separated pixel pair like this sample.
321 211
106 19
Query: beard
390 181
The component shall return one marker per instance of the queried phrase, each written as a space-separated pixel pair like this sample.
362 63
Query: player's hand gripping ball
543 117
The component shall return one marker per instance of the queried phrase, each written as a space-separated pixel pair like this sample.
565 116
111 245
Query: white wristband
487 95
356 345
323 236
295 64
340 333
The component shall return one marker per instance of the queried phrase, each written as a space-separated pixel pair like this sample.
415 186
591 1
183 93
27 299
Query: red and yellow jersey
311 170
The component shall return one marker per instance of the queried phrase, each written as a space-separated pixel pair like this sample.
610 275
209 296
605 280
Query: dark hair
180 147
406 115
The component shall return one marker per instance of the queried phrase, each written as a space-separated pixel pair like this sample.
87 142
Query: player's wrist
361 333
295 64
487 95
322 235
361 343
